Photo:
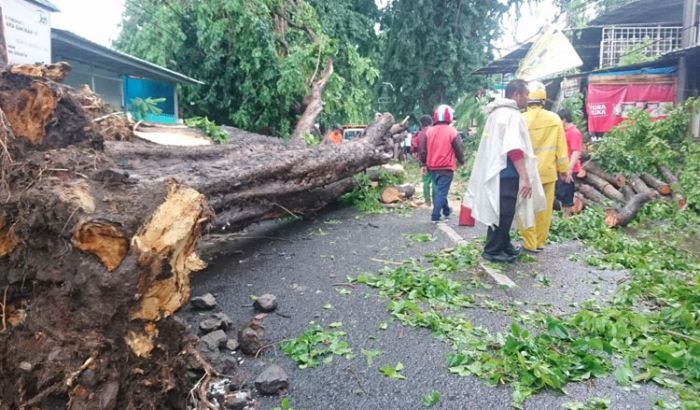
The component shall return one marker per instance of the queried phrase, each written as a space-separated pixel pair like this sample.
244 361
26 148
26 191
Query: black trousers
498 238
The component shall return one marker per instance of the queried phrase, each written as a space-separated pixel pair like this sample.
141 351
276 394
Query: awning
70 46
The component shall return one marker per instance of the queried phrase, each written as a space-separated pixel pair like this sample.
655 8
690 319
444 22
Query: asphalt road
300 262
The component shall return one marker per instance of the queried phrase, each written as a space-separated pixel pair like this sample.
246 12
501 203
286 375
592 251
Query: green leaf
430 399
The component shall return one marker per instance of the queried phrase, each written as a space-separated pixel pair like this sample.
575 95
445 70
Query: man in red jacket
440 151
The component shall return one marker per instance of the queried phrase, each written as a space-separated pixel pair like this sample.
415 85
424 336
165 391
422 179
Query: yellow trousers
536 236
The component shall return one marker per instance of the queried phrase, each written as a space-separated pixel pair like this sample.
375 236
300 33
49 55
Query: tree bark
590 192
314 106
98 240
660 186
628 192
623 216
640 187
605 187
591 167
675 186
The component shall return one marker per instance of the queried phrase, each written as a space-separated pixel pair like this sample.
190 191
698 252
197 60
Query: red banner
609 104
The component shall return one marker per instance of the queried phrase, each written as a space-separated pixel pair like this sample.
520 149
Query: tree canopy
258 58
432 48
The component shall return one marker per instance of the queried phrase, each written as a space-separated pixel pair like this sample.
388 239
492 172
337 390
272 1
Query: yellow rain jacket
548 142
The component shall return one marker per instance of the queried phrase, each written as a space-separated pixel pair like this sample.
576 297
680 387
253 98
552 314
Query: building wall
108 84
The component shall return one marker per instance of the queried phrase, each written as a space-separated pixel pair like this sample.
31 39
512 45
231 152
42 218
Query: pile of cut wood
622 197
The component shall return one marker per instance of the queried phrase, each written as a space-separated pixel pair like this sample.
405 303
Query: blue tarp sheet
641 71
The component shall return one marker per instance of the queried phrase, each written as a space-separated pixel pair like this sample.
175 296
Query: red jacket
442 148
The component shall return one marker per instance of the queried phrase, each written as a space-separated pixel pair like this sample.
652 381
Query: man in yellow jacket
549 144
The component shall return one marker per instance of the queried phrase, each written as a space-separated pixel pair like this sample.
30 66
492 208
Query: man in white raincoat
504 182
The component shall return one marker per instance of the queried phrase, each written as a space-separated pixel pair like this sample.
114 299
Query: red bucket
465 217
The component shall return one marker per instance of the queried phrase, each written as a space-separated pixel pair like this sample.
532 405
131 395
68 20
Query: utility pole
689 38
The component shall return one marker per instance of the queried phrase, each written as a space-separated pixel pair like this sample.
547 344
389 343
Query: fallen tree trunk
397 193
605 187
675 186
628 192
640 187
98 240
593 168
660 186
623 216
590 192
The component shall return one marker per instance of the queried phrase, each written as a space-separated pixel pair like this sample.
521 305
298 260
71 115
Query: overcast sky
98 20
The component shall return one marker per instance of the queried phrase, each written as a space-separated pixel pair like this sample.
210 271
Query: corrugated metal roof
643 12
45 4
65 44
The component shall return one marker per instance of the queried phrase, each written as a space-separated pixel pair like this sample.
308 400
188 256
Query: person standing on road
440 151
334 137
428 189
548 141
565 189
504 182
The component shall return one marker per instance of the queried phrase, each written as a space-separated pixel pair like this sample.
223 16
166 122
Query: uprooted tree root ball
99 236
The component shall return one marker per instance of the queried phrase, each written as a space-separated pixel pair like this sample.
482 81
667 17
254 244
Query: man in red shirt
574 140
440 151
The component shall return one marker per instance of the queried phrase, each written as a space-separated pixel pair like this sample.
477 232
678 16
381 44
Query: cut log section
640 187
623 216
397 193
590 192
604 187
593 168
659 185
675 186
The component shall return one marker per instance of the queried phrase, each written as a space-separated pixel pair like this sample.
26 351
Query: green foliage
432 47
366 198
311 140
215 132
471 113
579 11
316 345
640 144
371 355
637 53
689 177
393 372
258 58
420 237
430 399
575 104
651 323
595 403
140 108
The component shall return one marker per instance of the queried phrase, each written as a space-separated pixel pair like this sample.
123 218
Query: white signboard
549 55
27 32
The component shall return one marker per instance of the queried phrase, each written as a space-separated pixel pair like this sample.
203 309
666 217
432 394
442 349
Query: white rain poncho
504 131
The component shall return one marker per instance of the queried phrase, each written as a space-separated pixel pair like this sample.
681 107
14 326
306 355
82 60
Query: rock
266 303
228 364
272 380
237 400
225 320
210 325
251 338
215 322
214 339
205 302
231 344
